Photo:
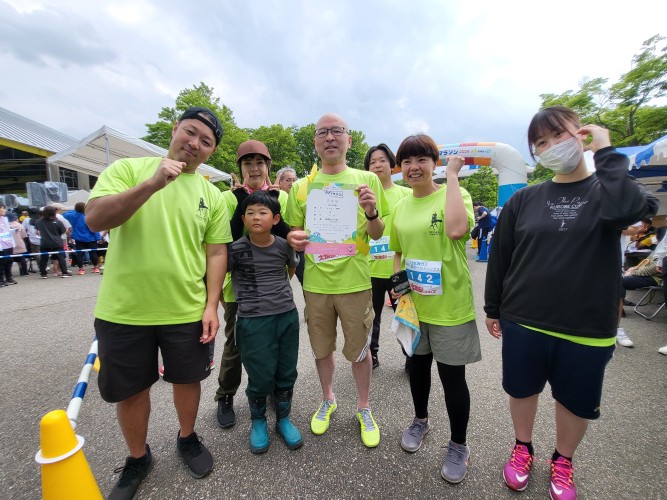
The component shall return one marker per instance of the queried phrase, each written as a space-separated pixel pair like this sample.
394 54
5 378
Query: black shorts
574 371
129 357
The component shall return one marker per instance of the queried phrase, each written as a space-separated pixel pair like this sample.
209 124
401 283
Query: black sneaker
12 281
131 475
376 361
226 415
195 455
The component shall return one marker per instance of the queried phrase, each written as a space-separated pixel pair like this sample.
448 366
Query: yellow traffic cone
65 471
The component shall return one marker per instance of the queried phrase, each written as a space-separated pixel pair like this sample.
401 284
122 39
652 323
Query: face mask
562 158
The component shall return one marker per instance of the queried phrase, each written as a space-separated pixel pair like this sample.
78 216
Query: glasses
321 133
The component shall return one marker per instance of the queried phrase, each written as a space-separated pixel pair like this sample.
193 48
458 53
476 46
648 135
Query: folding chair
646 299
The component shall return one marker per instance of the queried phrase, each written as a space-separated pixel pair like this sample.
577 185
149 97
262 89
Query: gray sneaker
413 436
455 467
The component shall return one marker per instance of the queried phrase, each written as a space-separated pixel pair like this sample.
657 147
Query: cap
209 119
252 147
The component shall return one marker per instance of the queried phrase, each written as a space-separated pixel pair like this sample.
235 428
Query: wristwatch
372 217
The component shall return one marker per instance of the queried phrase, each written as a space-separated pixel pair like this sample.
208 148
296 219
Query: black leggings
457 395
380 287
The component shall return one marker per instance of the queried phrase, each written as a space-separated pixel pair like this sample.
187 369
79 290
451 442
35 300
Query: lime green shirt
381 257
156 261
231 203
436 264
589 341
344 274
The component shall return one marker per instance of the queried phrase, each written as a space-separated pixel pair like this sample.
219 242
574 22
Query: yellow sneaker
370 432
320 421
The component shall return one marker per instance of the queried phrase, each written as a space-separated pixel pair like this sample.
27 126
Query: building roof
90 155
94 153
21 130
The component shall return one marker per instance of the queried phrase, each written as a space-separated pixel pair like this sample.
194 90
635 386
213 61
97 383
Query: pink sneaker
562 481
81 271
516 472
96 269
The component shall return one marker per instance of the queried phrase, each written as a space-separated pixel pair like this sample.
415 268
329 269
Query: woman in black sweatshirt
559 325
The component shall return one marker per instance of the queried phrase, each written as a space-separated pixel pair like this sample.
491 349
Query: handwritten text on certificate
331 219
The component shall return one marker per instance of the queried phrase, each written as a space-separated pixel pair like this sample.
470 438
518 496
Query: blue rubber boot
284 426
259 434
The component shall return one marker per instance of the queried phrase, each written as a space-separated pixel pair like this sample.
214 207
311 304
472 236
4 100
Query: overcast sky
461 71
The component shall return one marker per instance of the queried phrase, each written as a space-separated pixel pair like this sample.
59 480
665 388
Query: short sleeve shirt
156 261
381 256
345 274
419 234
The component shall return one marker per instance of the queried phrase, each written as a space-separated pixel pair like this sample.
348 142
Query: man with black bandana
169 230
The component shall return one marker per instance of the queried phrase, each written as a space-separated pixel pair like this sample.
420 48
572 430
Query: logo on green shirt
436 224
202 211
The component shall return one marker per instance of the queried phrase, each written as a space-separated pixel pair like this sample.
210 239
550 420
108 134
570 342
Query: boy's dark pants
269 348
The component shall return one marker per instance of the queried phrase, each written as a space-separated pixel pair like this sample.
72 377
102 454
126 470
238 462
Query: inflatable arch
504 158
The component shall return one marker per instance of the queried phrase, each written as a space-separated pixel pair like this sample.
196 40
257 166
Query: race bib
425 276
7 237
380 249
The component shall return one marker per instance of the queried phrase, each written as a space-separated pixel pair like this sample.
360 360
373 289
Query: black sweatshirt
555 258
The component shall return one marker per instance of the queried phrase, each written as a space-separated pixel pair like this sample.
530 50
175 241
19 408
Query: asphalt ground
47 328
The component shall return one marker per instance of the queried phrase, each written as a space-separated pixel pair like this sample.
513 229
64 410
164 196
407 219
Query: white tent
101 148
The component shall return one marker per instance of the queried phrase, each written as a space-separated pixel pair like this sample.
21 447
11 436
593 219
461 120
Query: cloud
51 38
461 72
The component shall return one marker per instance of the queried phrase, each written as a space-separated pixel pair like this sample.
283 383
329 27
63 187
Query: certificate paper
331 220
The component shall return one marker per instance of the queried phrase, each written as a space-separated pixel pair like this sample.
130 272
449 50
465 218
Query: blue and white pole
81 386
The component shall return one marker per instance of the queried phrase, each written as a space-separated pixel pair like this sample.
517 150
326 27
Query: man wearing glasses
339 287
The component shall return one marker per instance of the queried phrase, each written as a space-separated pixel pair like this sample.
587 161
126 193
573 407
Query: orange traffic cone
65 471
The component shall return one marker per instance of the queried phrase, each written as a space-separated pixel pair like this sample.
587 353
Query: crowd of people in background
48 239
242 246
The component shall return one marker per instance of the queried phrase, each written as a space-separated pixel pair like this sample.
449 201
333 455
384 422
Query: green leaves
482 186
628 108
289 146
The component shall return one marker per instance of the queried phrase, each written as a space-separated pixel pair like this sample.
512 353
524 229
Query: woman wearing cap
254 163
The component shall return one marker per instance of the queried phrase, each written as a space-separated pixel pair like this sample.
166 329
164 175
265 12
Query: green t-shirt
436 265
231 203
342 274
381 257
156 260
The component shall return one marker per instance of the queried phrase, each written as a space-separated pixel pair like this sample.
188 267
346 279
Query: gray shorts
451 345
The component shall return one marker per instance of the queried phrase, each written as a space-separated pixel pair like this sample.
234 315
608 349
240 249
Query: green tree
482 186
629 108
357 153
281 143
540 174
224 157
305 148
